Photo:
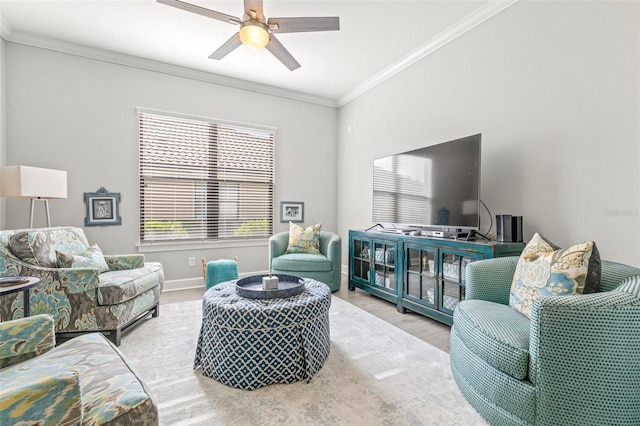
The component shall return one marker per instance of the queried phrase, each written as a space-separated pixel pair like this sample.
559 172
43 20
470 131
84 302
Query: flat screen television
437 187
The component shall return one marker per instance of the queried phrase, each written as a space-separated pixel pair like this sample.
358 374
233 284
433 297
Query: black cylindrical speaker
516 229
503 227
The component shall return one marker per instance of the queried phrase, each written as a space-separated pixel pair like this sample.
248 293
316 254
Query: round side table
24 287
249 343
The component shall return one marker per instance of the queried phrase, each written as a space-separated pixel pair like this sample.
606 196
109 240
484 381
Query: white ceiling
376 38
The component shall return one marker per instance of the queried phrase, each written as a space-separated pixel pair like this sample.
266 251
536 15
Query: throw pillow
92 258
21 248
545 270
38 246
304 240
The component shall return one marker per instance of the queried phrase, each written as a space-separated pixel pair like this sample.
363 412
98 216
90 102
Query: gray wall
554 88
77 114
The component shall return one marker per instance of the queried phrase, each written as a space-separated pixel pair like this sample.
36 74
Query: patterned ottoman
248 343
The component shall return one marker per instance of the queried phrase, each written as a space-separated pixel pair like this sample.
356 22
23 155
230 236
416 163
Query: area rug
375 374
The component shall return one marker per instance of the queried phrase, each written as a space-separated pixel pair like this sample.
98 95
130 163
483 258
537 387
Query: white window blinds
204 180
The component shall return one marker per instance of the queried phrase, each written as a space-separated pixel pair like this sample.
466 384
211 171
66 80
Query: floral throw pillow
92 258
304 240
545 270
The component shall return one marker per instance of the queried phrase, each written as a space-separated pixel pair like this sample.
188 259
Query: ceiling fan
257 32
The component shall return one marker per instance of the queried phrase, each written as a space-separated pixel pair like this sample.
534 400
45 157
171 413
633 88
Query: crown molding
463 26
161 67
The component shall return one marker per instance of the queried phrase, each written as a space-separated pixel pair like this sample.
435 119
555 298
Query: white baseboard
189 283
183 284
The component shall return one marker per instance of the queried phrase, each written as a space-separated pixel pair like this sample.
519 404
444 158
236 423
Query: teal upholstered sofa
575 362
323 267
81 288
83 381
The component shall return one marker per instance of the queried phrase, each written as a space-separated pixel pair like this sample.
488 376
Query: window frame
215 176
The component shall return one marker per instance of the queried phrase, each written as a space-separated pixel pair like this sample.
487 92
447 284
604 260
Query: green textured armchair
323 267
575 362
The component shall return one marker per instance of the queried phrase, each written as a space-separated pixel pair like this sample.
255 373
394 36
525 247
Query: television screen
437 186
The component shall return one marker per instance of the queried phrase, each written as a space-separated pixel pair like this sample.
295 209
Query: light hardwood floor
431 331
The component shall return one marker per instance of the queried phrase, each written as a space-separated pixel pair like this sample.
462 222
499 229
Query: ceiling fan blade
227 47
297 25
201 11
274 46
256 7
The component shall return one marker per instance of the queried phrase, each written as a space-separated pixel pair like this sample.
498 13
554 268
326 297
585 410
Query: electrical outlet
192 261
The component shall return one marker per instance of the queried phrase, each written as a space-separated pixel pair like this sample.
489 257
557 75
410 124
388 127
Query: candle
270 283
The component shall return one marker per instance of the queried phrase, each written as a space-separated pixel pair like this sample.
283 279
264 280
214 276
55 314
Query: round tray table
249 343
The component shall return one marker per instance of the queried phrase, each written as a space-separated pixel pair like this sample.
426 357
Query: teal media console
421 274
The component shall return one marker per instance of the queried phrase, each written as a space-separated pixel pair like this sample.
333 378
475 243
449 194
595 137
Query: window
203 179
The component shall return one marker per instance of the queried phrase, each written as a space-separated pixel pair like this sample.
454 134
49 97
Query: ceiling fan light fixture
254 34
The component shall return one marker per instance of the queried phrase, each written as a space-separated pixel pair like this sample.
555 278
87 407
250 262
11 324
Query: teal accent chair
575 362
84 381
323 267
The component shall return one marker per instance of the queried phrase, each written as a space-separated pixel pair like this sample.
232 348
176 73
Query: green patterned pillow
304 240
92 258
545 270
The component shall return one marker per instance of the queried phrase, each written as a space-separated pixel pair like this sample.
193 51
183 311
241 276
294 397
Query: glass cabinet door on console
421 275
433 278
372 266
452 278
384 265
361 260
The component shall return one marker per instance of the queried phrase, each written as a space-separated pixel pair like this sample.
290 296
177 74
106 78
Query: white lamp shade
32 182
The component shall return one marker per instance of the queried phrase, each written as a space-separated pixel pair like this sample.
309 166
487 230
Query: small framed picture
103 208
292 211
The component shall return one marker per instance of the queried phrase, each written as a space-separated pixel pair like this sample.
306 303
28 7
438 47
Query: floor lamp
35 183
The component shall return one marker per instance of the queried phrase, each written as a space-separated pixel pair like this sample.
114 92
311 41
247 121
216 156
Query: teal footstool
219 271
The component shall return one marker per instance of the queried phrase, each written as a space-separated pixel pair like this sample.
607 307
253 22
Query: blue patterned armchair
82 381
80 287
573 362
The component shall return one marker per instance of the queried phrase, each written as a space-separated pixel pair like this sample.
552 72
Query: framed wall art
103 208
292 211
